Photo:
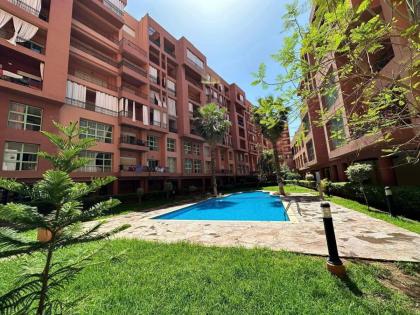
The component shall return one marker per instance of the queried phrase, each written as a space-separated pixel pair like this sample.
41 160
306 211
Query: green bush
406 198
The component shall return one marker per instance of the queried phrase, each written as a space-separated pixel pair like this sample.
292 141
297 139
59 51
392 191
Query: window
171 165
188 166
24 117
20 156
197 166
187 148
152 164
98 131
196 149
171 145
194 59
310 150
336 134
153 143
331 91
171 85
99 162
222 155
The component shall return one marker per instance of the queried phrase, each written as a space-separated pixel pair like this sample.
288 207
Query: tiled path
358 235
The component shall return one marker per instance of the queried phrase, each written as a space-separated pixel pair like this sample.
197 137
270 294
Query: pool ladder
297 205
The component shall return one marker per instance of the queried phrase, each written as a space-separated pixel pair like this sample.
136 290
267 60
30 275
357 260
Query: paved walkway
358 235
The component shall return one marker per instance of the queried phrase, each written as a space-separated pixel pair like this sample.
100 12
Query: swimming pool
250 206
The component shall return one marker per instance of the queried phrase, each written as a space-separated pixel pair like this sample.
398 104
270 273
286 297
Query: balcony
105 10
134 94
126 118
132 49
40 12
133 144
140 170
91 107
88 54
133 71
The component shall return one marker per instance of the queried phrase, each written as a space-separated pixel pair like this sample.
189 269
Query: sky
234 35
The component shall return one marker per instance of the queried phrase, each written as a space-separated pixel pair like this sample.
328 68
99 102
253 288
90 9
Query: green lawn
151 278
411 225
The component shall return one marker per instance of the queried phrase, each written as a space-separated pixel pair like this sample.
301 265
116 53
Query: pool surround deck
358 235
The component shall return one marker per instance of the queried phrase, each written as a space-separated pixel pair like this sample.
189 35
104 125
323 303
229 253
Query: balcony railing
129 43
133 141
133 67
135 92
90 106
113 7
97 82
159 124
29 9
25 81
143 169
93 52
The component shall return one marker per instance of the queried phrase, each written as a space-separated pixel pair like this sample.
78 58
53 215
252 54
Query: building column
334 173
386 172
341 175
145 185
115 185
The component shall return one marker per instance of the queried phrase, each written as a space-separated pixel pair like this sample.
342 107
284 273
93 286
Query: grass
151 278
411 225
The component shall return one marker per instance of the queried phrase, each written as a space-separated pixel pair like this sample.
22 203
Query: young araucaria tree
271 117
213 125
55 207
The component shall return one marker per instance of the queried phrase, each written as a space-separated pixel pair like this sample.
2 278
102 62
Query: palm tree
212 125
271 116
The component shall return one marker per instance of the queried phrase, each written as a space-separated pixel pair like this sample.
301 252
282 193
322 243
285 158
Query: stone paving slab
358 235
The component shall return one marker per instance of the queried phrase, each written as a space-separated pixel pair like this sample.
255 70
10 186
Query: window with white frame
171 165
99 162
171 145
188 164
196 149
187 148
153 143
96 130
24 117
197 166
20 156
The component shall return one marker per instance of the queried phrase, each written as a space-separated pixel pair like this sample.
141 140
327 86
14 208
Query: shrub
309 177
359 173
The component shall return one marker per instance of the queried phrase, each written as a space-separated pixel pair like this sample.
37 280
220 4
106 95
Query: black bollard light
390 201
334 263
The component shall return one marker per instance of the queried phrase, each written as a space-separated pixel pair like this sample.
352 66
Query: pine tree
54 206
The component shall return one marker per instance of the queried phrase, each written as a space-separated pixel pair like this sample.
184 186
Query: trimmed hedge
406 198
311 184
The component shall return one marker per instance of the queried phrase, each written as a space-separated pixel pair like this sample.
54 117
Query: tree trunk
213 170
277 168
44 279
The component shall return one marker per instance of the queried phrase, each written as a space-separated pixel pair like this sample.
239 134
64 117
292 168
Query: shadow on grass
352 286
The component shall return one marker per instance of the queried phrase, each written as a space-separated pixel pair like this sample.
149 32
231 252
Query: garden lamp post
390 201
334 263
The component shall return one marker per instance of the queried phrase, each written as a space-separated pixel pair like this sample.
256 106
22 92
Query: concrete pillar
334 173
115 187
341 176
386 172
146 185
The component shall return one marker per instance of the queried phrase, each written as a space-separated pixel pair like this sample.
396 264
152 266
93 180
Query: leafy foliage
55 207
213 125
346 48
359 173
271 116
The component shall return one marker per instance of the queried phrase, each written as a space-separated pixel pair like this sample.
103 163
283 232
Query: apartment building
131 85
315 151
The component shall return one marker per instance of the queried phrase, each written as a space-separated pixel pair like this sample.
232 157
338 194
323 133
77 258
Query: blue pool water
252 206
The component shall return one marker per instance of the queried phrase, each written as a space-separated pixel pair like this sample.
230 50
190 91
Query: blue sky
235 35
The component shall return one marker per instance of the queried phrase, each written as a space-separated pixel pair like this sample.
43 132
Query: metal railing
133 67
90 106
29 9
143 169
91 51
138 93
133 141
113 7
133 45
25 81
